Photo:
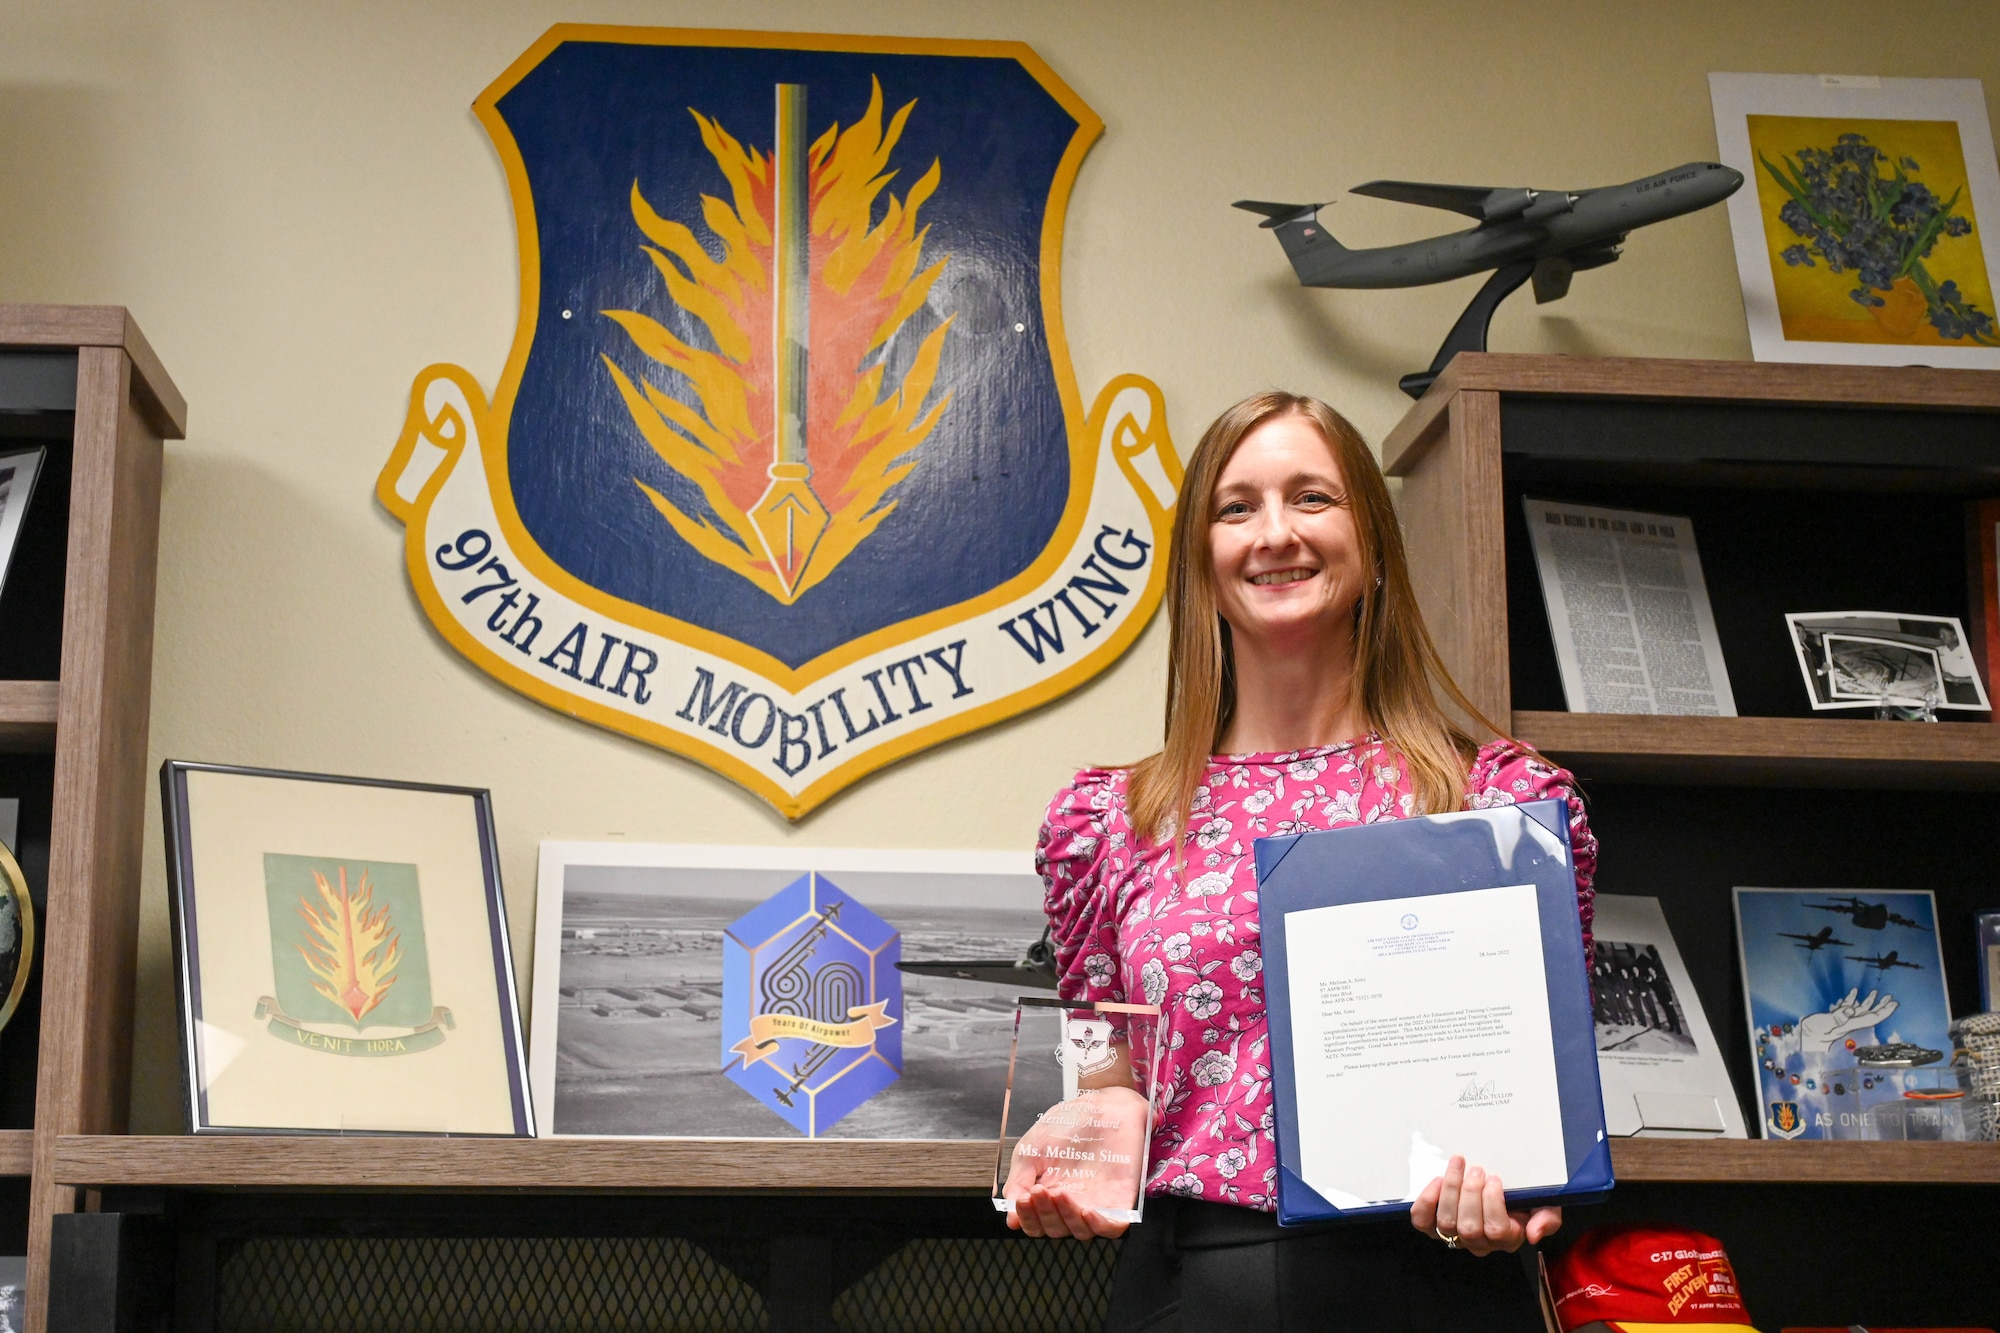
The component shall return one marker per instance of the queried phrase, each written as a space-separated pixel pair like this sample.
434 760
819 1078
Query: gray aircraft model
1548 235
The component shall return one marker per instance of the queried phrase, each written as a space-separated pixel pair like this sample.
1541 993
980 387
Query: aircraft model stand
1469 334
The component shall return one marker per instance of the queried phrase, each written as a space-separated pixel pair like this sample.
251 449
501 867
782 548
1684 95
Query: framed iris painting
1866 234
341 956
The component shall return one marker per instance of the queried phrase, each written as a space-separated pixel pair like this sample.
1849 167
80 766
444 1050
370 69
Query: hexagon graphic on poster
787 469
811 1004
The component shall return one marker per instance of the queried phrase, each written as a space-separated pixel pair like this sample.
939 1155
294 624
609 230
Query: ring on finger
1450 1242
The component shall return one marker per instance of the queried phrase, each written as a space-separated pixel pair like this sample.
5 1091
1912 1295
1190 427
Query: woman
1302 693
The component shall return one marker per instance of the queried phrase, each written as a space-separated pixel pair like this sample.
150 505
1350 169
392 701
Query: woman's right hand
1076 1162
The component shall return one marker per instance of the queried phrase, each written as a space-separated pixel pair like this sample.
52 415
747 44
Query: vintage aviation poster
788 470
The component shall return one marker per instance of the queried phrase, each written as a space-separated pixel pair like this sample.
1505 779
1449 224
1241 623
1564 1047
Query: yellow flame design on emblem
865 283
352 950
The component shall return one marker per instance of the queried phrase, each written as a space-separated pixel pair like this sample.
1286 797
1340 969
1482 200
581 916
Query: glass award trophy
1078 1115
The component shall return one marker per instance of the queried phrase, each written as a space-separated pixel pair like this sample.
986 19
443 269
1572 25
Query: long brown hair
1397 671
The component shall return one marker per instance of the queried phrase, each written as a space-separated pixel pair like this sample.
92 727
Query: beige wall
296 202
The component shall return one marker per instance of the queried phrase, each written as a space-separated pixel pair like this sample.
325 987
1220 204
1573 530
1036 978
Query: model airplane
1896 1055
1035 968
1548 235
1817 940
1866 916
1885 961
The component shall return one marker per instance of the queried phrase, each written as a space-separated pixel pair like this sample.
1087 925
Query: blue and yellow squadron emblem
811 1004
1785 1121
787 470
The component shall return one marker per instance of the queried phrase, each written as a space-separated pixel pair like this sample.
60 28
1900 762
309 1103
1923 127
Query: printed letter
1131 540
531 620
1043 638
959 689
909 666
840 705
571 647
743 711
790 740
704 686
636 674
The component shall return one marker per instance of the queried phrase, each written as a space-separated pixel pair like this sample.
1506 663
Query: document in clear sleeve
1629 611
1657 1059
1427 995
1435 1006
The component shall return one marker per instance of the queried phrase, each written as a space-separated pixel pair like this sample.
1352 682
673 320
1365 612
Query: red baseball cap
1645 1279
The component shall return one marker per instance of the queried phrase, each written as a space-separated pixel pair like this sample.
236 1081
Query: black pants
1194 1267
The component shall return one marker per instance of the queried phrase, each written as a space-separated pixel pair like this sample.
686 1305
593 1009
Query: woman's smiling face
1287 558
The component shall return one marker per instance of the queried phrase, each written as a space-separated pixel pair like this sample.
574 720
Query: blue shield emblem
811 1004
788 470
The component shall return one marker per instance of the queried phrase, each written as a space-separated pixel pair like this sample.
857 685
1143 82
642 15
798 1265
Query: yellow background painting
1813 303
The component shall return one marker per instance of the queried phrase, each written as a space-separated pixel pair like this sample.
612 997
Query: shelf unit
889 1166
83 381
1461 467
1805 752
1809 488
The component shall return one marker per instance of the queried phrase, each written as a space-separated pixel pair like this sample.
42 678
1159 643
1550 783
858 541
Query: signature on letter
1474 1092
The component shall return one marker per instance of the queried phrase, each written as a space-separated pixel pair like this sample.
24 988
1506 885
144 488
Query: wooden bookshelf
1754 1161
28 716
1661 380
17 1152
1760 444
106 439
862 1166
1767 751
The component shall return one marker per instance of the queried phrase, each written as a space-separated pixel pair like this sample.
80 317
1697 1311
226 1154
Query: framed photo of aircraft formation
1859 240
1849 1021
341 956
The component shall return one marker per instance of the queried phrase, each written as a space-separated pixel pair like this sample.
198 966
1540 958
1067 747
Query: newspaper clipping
1630 614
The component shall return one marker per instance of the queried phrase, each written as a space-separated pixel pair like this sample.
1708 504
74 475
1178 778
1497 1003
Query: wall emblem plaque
788 470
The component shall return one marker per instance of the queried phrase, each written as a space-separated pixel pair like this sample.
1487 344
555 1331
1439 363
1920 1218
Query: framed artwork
341 956
1849 1021
1861 241
779 992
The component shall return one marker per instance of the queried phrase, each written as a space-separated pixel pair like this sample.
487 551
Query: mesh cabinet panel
982 1286
480 1286
582 1285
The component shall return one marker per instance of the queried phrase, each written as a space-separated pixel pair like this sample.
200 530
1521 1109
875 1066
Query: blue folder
1407 858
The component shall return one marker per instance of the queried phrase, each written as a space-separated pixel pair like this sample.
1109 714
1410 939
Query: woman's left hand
1467 1206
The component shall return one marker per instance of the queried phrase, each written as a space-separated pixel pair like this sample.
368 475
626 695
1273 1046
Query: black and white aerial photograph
639 1001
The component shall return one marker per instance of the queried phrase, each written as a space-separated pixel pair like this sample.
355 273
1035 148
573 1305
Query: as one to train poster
787 470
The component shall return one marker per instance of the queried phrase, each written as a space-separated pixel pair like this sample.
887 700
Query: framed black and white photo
779 992
1864 659
342 955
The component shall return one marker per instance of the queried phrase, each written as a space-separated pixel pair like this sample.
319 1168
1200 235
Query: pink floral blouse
1127 923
